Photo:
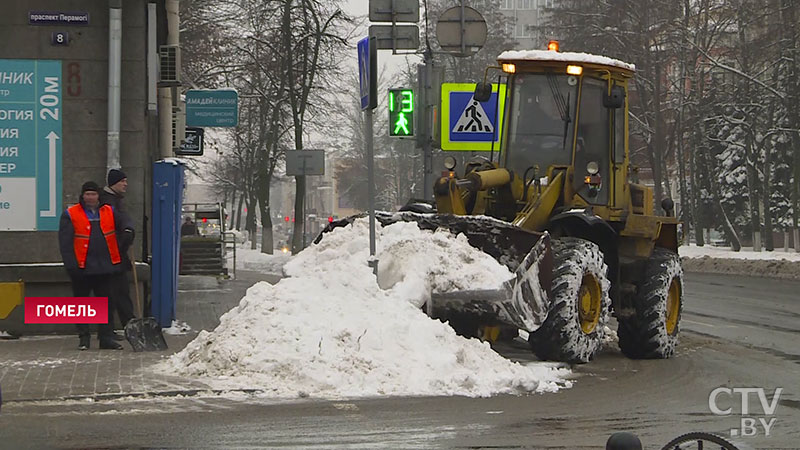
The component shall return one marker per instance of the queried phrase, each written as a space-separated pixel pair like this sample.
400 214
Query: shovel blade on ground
145 335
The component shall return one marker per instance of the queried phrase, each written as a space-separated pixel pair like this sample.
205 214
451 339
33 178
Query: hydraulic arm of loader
537 211
451 194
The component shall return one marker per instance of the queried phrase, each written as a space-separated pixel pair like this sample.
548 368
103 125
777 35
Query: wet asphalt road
737 332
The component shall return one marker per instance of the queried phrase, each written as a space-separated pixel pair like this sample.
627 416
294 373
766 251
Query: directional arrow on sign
51 211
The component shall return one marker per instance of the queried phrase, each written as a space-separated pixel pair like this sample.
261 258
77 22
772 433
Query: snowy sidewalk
693 251
248 259
709 259
52 368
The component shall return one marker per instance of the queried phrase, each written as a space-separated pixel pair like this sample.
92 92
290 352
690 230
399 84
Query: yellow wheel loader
556 205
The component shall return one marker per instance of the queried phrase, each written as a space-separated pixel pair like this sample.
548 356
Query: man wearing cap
116 189
112 195
90 236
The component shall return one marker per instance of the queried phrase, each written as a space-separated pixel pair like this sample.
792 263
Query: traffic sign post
30 144
461 30
401 112
302 163
394 11
368 73
395 37
193 142
368 83
305 162
468 124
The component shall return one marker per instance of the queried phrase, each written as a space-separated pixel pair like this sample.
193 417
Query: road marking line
699 323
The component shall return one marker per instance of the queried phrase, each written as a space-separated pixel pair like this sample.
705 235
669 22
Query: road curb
780 269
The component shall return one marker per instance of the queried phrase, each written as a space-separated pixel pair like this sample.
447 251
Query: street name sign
305 162
30 144
212 108
58 18
468 124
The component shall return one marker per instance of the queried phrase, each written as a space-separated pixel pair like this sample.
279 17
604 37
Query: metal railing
229 237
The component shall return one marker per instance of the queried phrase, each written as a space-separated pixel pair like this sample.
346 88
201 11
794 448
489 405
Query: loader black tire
652 333
562 337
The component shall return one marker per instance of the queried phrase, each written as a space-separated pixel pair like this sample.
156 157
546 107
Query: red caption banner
66 309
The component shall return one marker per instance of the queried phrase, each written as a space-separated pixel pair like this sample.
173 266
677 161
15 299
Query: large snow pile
329 329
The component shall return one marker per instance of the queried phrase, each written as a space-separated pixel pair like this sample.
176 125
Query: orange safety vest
80 241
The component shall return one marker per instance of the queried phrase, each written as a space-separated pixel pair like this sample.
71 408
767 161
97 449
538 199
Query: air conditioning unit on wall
170 66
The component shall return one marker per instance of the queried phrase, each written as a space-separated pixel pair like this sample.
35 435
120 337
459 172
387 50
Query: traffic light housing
401 112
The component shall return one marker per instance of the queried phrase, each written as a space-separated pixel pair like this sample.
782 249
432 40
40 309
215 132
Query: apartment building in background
528 16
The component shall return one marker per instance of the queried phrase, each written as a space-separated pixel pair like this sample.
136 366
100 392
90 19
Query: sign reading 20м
30 144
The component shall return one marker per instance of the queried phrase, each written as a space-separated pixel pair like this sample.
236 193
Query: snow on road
330 330
693 251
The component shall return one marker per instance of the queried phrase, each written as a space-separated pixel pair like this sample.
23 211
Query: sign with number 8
59 38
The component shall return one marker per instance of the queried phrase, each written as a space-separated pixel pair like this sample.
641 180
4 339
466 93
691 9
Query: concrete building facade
70 38
84 107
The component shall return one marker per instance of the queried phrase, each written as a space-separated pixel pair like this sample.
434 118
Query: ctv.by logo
750 425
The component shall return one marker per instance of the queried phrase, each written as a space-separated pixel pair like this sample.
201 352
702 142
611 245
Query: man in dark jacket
189 228
120 285
90 236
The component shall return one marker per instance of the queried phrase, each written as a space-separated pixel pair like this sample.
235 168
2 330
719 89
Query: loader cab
567 112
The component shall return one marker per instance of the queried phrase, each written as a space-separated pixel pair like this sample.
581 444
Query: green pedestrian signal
401 112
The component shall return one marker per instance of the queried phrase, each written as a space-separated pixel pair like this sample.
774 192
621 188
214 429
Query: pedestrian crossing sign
468 124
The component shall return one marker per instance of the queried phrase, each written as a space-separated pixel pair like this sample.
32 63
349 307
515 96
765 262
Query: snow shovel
144 334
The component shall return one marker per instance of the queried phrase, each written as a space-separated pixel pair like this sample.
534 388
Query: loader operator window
542 117
592 141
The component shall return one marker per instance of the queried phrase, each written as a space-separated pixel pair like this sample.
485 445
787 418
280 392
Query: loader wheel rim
590 303
673 306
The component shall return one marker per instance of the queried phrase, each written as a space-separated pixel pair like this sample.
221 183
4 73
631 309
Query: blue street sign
363 72
468 124
212 108
30 144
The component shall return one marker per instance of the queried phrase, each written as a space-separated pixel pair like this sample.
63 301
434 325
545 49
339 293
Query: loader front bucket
522 301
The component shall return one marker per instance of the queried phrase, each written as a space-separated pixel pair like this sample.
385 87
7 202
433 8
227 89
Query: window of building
506 4
523 31
525 4
510 28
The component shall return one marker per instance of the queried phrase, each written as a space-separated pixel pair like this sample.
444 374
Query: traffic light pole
368 131
427 138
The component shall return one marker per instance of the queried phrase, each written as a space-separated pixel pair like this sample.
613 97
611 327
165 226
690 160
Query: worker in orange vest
90 237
